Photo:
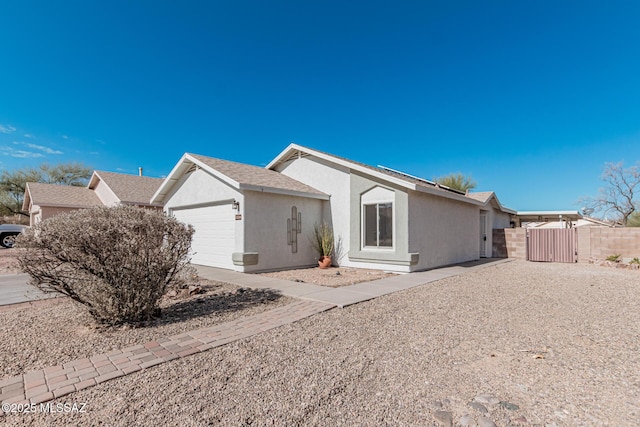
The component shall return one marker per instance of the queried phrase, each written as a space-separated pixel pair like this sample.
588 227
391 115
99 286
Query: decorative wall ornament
294 227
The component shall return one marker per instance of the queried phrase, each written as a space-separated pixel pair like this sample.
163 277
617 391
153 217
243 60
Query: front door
483 234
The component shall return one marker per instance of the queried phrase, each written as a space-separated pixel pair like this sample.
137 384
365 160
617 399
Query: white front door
214 238
483 234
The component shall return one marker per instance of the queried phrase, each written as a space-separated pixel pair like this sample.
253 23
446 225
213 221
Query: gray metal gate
552 245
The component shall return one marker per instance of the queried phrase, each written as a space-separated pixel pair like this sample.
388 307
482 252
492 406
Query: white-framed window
377 218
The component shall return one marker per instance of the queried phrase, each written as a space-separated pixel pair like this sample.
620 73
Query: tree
13 183
619 195
457 181
634 220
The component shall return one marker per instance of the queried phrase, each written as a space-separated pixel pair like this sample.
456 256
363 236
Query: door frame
483 234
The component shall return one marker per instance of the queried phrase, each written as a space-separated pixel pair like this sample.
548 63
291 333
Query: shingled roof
238 175
294 151
486 196
248 175
481 196
132 189
59 195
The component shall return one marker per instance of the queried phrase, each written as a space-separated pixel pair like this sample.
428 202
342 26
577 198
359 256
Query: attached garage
242 214
214 238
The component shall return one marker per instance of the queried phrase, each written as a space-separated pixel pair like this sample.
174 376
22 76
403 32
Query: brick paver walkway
45 384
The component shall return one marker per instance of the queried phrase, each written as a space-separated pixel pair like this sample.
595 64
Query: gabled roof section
59 195
294 151
239 176
481 196
486 197
129 189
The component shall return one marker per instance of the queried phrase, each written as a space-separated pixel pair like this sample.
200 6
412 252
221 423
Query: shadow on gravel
477 262
218 303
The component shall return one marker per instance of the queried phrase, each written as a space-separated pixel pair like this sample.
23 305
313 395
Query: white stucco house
249 218
558 219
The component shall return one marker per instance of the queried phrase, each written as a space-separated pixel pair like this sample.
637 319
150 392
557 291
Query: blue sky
530 98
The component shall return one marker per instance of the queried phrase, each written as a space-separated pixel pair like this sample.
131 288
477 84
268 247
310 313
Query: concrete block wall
601 242
593 242
499 244
516 242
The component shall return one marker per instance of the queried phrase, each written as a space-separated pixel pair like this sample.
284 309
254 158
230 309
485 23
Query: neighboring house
255 219
557 219
43 201
123 189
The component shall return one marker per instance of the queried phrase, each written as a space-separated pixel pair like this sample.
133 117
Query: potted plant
322 242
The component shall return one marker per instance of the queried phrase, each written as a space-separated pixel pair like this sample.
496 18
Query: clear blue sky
530 98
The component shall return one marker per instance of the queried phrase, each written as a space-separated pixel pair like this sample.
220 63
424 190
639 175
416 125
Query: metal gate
552 245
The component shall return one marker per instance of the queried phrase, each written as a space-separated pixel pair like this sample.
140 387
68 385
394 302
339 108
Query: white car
8 234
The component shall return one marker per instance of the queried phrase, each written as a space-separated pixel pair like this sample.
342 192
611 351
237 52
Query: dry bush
118 261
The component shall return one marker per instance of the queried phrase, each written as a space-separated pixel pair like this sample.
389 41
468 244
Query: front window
378 225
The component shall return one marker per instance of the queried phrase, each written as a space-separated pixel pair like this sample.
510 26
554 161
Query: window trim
377 203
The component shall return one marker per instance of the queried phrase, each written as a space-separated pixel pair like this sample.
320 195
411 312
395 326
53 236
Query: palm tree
457 181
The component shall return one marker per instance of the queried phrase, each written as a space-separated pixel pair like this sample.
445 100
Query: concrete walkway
15 289
344 295
42 385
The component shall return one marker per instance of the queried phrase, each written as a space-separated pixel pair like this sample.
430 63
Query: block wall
601 242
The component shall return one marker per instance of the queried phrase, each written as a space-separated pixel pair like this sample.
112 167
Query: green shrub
636 260
614 258
117 262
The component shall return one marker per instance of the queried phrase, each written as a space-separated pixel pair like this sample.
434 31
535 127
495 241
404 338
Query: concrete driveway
14 289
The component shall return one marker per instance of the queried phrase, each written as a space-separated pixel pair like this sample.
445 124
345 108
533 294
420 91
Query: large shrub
116 261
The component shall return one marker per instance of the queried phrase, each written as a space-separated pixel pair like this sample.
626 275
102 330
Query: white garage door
214 237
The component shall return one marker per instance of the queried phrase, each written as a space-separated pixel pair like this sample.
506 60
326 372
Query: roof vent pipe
140 171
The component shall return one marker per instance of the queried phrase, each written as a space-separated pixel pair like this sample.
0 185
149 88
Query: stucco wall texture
265 217
433 230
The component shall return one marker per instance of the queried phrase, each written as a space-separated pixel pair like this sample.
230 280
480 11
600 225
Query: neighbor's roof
59 195
579 223
238 175
575 214
544 216
127 188
399 178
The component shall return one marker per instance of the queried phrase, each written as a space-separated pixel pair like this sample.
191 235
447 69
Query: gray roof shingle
392 173
62 195
481 196
255 175
131 188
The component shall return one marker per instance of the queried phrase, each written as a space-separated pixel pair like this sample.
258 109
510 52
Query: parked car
8 234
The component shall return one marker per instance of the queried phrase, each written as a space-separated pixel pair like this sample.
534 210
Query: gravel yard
333 277
8 261
59 331
530 344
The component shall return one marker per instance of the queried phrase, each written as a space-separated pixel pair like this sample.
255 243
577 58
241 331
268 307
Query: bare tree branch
619 196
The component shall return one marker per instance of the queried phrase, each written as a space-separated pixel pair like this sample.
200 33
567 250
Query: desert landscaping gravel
9 261
58 331
333 277
516 344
